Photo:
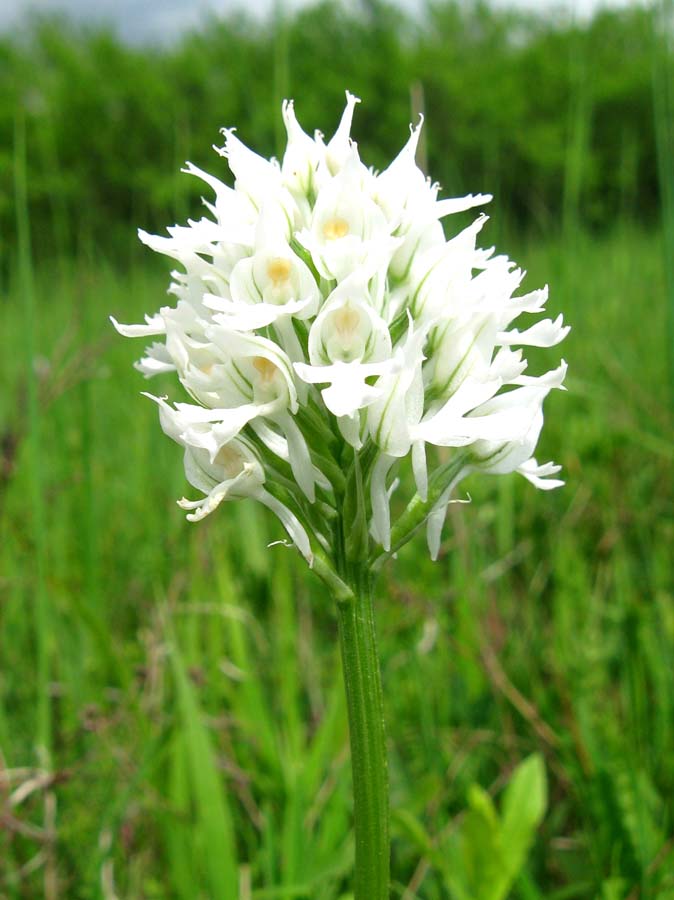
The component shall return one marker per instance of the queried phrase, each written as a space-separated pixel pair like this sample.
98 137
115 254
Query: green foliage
196 727
109 125
482 855
189 689
209 842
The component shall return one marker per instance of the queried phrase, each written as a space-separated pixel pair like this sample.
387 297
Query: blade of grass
663 106
178 834
41 612
249 702
214 830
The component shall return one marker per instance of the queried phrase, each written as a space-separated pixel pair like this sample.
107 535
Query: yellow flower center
335 229
279 270
265 368
346 321
231 460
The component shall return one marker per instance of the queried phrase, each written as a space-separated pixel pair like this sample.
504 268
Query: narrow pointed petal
379 497
420 468
436 518
339 146
545 333
291 524
157 360
154 325
299 457
539 475
461 204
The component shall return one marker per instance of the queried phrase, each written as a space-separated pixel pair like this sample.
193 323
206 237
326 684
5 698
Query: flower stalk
364 696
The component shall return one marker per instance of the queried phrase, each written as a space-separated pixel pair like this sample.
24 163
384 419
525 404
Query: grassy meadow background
171 715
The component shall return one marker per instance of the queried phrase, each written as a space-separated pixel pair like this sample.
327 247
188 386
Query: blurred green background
171 715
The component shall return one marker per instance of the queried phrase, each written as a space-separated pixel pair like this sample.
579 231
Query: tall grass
199 735
184 678
663 103
39 605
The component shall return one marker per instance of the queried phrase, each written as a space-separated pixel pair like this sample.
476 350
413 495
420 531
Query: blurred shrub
553 116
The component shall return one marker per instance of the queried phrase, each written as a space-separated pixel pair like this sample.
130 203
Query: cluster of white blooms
324 326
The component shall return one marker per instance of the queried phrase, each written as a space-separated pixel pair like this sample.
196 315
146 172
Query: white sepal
538 475
380 499
290 522
256 177
156 361
454 205
236 316
207 429
153 325
392 417
437 516
230 205
545 333
340 147
420 469
302 157
299 456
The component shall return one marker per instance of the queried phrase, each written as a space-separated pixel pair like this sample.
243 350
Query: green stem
362 679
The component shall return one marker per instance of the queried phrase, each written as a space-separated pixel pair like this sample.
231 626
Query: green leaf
213 830
471 859
613 889
524 804
485 854
177 830
480 802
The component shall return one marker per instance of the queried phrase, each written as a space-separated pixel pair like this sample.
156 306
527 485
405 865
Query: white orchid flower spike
329 323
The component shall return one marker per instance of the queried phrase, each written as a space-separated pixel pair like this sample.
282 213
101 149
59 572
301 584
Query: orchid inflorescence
326 331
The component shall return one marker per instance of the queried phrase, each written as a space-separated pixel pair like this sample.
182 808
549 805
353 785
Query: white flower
325 329
222 467
346 223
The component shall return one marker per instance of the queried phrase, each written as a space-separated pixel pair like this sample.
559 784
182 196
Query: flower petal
154 325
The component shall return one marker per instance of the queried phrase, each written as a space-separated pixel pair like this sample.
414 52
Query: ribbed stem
362 679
